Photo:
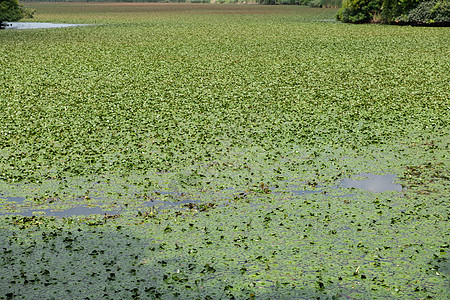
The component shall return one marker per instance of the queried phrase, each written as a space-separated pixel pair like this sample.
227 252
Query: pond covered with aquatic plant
222 151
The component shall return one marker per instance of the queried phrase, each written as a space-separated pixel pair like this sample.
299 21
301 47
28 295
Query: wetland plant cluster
224 142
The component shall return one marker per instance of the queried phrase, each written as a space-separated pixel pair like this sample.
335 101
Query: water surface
71 212
27 25
372 182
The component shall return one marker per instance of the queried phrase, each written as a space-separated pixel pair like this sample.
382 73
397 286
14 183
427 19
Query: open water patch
372 182
299 192
29 25
327 20
71 212
74 211
16 200
167 204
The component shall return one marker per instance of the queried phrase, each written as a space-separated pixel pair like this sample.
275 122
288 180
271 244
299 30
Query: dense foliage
414 12
429 12
10 11
358 11
218 138
392 9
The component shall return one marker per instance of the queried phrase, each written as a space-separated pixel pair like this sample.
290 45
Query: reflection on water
372 182
27 25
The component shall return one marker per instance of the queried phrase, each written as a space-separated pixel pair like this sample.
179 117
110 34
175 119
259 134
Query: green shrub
316 3
10 11
325 3
392 9
28 13
288 2
434 11
358 11
399 11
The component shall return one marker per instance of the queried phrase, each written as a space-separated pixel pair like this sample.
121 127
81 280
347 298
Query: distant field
131 12
222 142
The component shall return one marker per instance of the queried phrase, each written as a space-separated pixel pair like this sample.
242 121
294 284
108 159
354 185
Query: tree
10 11
359 11
393 9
